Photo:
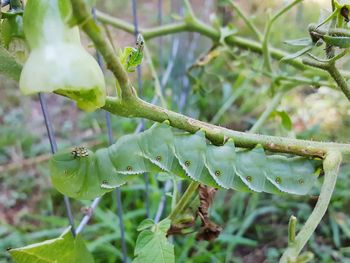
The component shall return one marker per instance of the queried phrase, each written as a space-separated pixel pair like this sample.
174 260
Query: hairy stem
333 71
139 108
331 167
338 78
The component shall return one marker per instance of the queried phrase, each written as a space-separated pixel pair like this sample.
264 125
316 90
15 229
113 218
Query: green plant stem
333 71
265 42
265 115
247 21
305 81
210 32
338 78
84 18
331 60
184 200
158 89
227 104
331 166
300 80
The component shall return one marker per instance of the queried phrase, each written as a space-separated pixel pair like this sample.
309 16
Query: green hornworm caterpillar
82 174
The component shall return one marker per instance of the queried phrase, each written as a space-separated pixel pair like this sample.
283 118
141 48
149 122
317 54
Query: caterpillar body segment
252 168
190 151
108 175
220 162
85 175
126 156
291 175
157 145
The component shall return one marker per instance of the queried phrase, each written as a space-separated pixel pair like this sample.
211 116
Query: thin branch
338 78
271 21
333 71
158 87
247 21
217 134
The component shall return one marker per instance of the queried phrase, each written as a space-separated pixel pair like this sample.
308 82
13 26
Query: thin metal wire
186 84
139 81
53 144
160 22
162 201
96 201
85 220
118 195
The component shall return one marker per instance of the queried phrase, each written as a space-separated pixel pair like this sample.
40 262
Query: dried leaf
209 230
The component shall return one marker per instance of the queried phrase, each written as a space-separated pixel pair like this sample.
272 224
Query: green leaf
9 67
131 57
300 42
342 42
164 225
147 223
152 246
297 54
286 121
64 249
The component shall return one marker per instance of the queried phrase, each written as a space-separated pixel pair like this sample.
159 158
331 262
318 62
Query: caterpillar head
69 170
78 152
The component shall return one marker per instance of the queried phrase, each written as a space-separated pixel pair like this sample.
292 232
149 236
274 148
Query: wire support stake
96 201
53 144
139 82
118 195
